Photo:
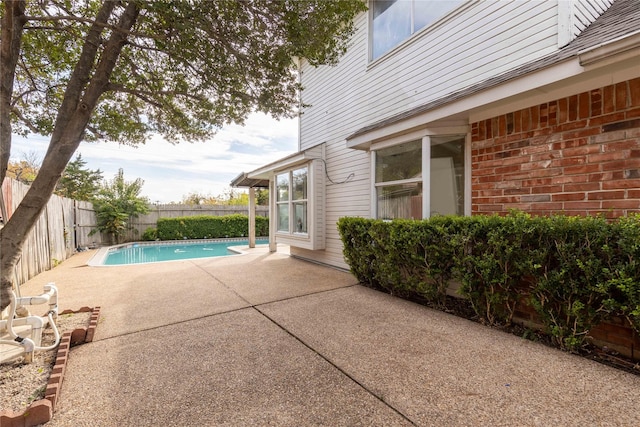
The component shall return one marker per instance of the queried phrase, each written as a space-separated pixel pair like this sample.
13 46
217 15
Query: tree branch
24 120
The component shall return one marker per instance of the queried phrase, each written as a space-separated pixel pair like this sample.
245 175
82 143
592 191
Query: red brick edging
41 411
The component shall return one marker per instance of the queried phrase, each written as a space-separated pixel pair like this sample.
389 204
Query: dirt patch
22 383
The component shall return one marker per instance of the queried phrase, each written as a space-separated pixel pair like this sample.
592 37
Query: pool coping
97 260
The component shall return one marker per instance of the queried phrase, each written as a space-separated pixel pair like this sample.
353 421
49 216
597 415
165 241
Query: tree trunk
13 22
72 120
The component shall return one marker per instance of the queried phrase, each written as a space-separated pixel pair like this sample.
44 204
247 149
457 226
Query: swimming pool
145 252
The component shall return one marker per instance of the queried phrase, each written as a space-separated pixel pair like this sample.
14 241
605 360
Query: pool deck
266 339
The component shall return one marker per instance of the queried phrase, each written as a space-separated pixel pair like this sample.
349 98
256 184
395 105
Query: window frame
425 179
291 202
413 31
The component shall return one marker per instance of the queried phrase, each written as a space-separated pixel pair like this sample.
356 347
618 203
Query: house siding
350 198
477 41
585 12
578 155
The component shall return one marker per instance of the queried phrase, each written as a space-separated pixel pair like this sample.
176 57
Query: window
393 21
291 201
399 178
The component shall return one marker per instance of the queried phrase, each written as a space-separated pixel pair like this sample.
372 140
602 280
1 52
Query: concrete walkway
264 339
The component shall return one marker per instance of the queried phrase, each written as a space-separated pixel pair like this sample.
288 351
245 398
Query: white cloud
171 171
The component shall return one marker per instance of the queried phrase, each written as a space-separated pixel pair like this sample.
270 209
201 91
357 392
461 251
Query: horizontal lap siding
349 198
585 12
482 40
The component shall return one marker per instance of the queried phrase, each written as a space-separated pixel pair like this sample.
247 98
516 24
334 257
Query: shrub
495 257
208 227
574 271
150 234
571 294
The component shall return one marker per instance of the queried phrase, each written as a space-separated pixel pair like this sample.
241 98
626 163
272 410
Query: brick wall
578 155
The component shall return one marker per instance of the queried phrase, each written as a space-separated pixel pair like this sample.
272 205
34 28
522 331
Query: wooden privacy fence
140 224
65 225
54 237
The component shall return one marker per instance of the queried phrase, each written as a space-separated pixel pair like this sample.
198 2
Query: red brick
585 186
536 198
633 194
632 114
581 133
604 176
604 195
568 197
607 157
596 102
581 169
482 130
626 144
621 96
621 184
489 208
621 204
581 151
583 105
520 206
570 179
507 169
563 110
474 132
549 206
608 100
537 182
535 117
634 92
526 119
546 155
544 115
576 124
606 119
581 205
502 125
517 121
621 164
569 161
502 200
573 108
515 191
39 412
495 127
549 189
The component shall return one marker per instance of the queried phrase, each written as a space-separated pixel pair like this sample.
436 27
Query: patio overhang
244 181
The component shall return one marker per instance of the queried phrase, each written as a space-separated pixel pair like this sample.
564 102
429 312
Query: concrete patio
265 339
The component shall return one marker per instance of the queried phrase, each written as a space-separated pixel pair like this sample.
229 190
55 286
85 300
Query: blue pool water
138 253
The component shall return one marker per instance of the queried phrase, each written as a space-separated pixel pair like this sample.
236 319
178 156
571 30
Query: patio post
252 217
273 215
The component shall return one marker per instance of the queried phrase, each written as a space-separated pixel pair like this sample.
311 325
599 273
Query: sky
173 171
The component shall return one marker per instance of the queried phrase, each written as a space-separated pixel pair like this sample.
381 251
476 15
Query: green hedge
574 271
209 227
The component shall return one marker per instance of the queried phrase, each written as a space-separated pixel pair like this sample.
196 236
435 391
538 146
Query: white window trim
426 175
443 20
313 239
291 202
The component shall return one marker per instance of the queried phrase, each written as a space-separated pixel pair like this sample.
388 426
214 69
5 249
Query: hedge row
209 227
575 272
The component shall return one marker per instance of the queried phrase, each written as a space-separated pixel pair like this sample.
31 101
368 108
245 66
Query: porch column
252 217
273 215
